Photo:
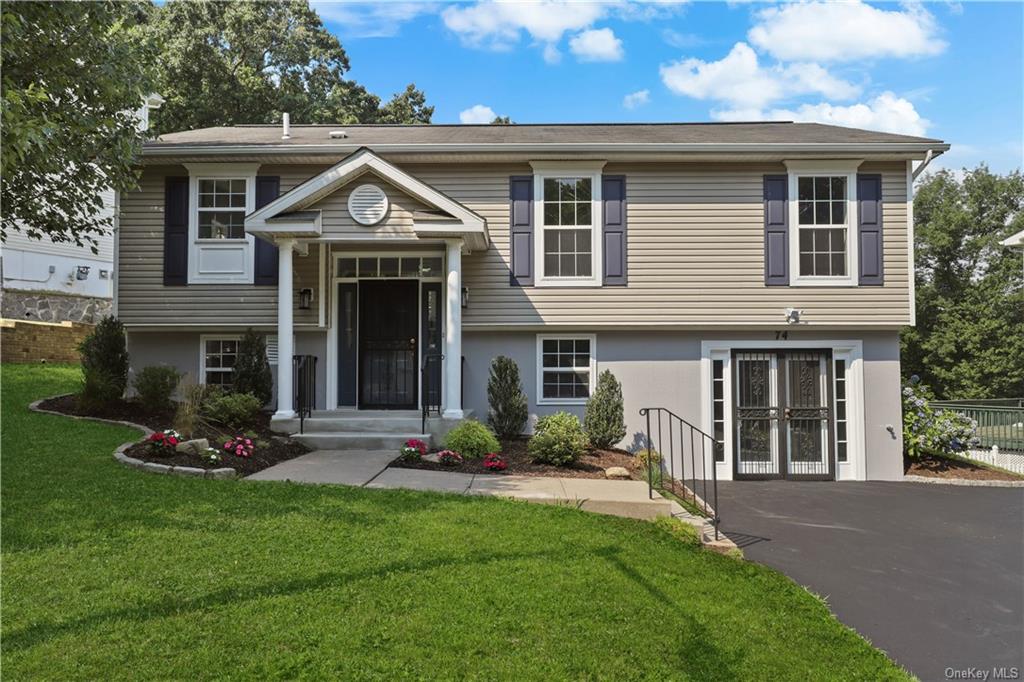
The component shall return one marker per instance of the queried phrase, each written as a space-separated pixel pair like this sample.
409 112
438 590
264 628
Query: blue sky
949 70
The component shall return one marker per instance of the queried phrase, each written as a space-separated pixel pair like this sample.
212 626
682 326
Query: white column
285 305
453 332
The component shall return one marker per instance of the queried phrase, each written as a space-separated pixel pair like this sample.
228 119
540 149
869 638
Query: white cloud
742 83
551 54
478 113
636 99
499 25
886 113
596 45
371 19
845 31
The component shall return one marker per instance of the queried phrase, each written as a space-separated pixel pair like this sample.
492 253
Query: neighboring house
1015 242
751 277
49 281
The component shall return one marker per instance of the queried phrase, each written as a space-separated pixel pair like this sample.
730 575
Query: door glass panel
756 414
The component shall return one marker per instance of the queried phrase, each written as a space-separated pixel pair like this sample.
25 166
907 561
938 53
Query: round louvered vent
367 204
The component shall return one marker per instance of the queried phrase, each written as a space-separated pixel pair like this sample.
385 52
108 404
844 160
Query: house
750 277
48 281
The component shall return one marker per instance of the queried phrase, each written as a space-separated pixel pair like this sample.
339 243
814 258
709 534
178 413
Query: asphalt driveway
931 574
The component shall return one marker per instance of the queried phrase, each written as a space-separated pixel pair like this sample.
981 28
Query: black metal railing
676 442
431 372
304 386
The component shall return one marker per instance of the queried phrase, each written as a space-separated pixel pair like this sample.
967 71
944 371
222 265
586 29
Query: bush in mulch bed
268 448
519 463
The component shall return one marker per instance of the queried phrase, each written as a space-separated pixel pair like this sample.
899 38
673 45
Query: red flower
171 440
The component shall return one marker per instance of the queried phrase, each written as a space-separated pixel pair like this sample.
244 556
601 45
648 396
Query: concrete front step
358 441
362 424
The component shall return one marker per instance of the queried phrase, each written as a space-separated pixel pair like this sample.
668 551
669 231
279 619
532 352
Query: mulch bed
942 467
275 447
590 465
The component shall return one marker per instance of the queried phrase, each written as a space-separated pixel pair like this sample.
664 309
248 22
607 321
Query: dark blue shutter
267 189
175 232
520 194
613 227
869 229
776 230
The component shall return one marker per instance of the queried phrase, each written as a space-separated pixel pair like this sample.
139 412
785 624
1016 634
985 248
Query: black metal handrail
304 386
672 430
431 384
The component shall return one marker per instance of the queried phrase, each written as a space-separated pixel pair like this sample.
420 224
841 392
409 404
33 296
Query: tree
969 338
225 63
604 417
509 408
252 368
73 76
502 121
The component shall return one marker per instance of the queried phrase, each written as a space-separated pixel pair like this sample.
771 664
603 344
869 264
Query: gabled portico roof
290 214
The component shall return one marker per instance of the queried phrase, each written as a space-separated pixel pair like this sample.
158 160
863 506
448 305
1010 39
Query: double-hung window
568 216
218 360
220 196
566 368
822 217
221 208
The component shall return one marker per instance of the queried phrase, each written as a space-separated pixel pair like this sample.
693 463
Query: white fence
1009 460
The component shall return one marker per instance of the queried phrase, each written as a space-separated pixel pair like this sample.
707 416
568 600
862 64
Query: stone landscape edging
976 482
119 453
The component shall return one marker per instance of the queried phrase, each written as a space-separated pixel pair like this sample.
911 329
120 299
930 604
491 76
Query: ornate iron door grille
782 415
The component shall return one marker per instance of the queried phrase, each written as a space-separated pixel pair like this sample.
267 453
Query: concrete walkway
369 469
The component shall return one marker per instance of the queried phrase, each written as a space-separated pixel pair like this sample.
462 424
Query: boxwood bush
155 385
557 439
104 364
235 410
471 439
604 420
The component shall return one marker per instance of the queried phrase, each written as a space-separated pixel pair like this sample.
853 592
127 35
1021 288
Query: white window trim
221 171
541 400
203 338
543 172
844 168
851 350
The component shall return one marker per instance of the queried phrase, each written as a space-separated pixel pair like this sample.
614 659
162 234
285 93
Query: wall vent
367 204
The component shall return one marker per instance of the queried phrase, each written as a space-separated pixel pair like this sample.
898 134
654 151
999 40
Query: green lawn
112 573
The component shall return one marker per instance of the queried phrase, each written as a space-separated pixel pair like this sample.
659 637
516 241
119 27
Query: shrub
236 410
449 458
471 439
186 417
508 406
557 439
603 419
104 364
643 458
413 449
252 369
155 385
927 431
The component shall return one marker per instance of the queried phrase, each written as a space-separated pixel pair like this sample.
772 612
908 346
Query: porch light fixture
465 297
792 316
82 272
305 298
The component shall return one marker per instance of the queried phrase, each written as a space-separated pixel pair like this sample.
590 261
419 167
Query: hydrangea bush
930 431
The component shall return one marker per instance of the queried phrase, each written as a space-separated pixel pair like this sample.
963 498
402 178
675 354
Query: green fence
1000 420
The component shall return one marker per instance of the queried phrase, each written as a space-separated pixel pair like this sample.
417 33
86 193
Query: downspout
929 155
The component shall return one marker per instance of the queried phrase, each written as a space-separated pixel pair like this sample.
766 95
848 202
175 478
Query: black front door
388 329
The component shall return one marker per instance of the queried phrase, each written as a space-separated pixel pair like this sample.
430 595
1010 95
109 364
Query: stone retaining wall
31 342
42 306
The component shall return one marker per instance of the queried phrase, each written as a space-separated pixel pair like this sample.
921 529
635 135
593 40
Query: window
568 215
718 407
404 267
822 215
222 208
842 440
218 360
566 368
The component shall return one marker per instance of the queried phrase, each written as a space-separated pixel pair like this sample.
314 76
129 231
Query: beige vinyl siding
695 249
144 300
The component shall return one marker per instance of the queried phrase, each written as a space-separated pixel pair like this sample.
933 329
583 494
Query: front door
782 415
388 330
